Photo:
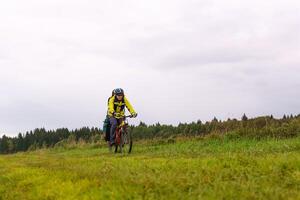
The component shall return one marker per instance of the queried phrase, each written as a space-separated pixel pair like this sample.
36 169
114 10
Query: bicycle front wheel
126 142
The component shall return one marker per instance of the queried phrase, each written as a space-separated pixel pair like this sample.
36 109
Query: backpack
106 124
106 128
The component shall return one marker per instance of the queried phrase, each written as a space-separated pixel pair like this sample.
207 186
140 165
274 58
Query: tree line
259 127
42 138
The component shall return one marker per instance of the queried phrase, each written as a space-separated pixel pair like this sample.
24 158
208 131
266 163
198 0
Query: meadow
182 168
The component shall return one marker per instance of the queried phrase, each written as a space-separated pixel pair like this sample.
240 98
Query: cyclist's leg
114 124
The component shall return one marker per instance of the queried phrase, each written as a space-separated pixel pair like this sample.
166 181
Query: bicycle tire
126 141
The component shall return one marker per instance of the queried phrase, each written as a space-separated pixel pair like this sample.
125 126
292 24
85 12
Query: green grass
187 169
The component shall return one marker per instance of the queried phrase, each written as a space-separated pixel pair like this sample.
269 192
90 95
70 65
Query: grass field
187 169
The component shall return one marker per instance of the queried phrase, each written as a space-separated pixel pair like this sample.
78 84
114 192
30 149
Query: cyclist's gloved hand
134 115
117 115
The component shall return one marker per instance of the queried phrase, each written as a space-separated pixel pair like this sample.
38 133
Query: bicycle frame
122 125
121 129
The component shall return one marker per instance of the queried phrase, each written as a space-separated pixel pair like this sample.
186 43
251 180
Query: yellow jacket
118 107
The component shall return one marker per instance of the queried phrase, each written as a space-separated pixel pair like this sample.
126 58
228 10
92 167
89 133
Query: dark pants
113 126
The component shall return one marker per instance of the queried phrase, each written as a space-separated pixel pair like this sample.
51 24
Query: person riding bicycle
116 111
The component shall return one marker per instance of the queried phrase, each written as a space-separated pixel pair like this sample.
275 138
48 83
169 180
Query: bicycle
123 138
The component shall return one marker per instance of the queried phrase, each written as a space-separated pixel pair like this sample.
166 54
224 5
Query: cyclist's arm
111 109
129 106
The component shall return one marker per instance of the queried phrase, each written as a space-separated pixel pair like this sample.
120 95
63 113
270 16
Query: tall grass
198 168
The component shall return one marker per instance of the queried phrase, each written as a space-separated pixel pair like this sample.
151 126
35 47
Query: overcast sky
177 60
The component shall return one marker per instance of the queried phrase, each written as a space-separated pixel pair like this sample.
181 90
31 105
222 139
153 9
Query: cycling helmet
119 91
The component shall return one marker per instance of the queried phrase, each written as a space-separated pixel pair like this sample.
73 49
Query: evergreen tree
215 119
244 117
4 144
20 146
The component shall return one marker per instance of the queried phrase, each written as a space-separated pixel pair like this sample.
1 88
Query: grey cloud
59 60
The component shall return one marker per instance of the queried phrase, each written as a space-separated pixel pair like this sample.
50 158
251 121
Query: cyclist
116 111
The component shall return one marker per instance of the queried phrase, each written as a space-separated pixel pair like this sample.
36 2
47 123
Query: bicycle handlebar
128 116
